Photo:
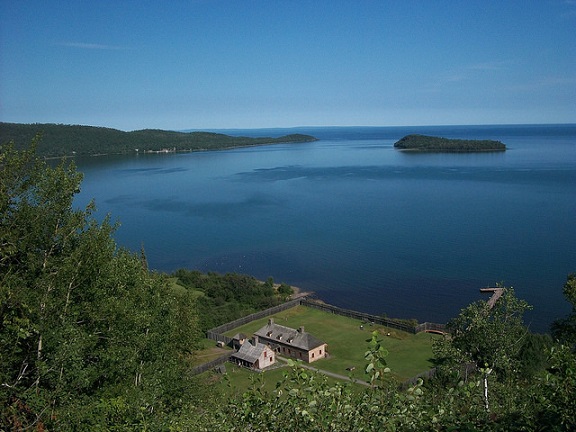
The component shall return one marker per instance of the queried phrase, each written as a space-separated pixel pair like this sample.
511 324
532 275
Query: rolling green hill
67 140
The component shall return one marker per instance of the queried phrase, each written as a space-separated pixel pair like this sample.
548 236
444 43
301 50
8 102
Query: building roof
288 336
250 352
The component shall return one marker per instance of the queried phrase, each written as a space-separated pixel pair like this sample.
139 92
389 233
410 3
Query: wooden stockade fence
217 333
368 318
212 364
218 337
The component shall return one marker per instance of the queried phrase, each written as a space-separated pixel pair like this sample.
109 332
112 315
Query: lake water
361 224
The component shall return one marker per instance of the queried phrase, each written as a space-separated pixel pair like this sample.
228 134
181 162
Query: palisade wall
217 333
212 364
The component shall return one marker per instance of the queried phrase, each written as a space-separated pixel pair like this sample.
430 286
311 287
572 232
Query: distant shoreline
65 141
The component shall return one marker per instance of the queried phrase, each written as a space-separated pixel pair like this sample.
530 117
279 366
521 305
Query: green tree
557 403
556 406
285 291
486 336
485 349
564 329
88 337
534 354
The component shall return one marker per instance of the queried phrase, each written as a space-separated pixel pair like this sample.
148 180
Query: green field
238 380
208 351
408 356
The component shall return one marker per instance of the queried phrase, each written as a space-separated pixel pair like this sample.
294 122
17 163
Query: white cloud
547 82
93 46
488 66
466 73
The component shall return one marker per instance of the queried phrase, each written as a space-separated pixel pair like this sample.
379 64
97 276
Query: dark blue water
364 226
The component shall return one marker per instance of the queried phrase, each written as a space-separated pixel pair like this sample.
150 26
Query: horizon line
300 126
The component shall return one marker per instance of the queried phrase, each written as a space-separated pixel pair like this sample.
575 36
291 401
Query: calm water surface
364 226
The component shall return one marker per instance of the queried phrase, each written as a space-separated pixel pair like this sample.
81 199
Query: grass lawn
177 288
208 351
238 380
408 356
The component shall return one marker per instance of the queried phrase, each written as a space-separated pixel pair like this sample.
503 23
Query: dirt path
327 373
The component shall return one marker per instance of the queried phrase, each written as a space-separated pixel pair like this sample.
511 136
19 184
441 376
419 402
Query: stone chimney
270 321
255 340
301 329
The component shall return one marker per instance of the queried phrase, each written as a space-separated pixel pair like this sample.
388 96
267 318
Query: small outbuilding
254 355
238 340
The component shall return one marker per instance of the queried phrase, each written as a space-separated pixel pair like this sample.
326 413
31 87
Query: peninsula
424 143
73 140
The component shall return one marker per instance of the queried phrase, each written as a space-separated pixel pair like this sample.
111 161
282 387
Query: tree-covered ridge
66 140
437 144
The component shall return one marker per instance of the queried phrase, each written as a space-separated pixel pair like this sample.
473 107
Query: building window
312 355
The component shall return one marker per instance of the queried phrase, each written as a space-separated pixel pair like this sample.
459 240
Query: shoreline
298 293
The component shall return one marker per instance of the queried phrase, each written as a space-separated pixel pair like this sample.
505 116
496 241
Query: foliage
557 405
376 358
285 291
227 297
564 329
306 400
522 379
486 336
67 140
88 337
437 144
533 356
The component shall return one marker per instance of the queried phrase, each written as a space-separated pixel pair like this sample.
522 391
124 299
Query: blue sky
247 64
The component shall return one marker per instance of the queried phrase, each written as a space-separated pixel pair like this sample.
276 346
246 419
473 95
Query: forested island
60 140
424 143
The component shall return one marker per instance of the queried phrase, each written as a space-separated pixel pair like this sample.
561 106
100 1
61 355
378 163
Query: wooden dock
496 294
